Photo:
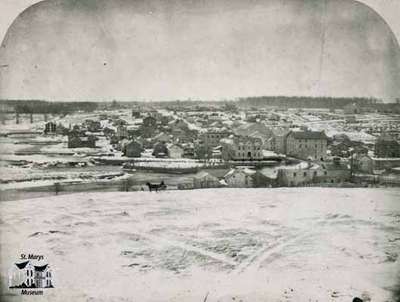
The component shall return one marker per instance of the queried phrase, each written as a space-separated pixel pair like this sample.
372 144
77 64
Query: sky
162 54
388 9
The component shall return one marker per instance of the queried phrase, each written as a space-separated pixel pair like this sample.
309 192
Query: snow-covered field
302 244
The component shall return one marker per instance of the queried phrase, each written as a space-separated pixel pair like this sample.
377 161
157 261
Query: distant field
288 244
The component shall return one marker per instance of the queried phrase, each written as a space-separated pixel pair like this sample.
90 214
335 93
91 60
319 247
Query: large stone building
306 144
212 138
242 148
277 141
387 147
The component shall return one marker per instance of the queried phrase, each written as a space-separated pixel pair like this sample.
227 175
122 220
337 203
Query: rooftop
309 135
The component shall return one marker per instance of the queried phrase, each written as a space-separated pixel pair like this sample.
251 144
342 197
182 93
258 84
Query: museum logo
30 274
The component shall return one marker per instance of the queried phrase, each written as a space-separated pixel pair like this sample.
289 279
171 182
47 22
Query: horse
156 187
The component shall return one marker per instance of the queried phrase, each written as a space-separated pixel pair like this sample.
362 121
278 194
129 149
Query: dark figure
156 187
57 187
357 299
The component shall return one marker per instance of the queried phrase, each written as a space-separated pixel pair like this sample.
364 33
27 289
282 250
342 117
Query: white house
175 151
240 178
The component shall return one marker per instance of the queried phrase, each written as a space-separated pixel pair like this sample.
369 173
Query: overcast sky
388 9
230 69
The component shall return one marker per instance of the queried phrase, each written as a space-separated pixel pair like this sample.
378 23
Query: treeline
304 102
38 106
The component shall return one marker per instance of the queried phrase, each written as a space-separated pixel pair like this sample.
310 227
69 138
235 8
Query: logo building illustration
27 275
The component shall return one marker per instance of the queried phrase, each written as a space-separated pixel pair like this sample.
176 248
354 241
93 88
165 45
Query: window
315 173
305 174
325 173
294 174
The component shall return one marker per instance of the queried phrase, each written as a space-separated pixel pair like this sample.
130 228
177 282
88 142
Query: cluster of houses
386 157
251 140
304 174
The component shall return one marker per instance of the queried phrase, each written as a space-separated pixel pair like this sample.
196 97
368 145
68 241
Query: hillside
209 245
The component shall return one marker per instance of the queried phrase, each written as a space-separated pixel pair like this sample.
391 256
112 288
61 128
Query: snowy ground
303 244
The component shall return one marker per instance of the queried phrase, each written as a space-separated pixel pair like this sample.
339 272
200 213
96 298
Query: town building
334 172
175 151
387 147
93 126
244 177
212 138
122 131
149 122
77 141
154 113
277 141
136 113
182 136
162 137
242 148
132 149
346 147
178 124
189 152
374 165
352 108
258 130
205 180
306 145
160 150
50 128
240 178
